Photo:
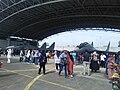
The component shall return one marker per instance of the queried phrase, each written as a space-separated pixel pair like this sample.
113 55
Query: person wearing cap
115 81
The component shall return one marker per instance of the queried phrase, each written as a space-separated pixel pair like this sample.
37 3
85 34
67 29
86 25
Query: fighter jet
85 46
43 47
29 46
51 48
22 46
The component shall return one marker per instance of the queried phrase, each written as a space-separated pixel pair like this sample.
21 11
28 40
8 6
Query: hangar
37 19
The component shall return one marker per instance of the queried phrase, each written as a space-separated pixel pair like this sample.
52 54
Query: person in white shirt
36 56
57 60
28 57
9 51
102 60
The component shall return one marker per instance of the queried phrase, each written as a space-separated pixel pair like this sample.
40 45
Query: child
116 82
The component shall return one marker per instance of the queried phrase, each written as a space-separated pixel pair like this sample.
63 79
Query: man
102 60
64 61
42 62
86 63
117 61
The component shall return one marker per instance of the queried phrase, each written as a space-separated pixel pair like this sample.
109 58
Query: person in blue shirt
42 61
117 61
64 63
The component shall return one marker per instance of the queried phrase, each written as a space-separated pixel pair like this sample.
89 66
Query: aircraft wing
109 52
28 47
10 47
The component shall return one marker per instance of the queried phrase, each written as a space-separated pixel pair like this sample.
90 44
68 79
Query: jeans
65 69
86 68
106 71
57 64
36 60
42 65
21 59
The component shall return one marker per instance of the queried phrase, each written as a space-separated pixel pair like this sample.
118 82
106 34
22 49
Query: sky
100 38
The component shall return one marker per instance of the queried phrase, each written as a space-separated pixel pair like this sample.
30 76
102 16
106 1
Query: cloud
100 38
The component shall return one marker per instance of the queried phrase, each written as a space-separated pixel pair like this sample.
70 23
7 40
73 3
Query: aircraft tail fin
43 47
92 43
108 47
51 48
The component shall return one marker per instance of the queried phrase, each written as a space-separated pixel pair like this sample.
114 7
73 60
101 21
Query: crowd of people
111 62
62 59
66 60
93 61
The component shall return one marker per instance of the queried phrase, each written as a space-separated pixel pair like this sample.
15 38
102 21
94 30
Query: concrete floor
21 76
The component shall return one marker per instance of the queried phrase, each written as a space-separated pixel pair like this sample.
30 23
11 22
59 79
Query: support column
8 41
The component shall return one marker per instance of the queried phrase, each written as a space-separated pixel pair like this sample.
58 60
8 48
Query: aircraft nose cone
76 49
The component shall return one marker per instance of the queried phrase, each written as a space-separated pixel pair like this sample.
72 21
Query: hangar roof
37 19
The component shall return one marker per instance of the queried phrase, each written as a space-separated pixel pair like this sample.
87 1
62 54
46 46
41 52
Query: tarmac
22 76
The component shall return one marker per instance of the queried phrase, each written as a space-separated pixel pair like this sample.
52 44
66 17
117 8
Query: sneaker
59 74
57 71
8 62
39 73
28 63
37 65
66 76
71 76
44 73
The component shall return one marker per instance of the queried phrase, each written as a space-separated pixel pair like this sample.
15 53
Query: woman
94 62
57 60
111 66
70 64
36 56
